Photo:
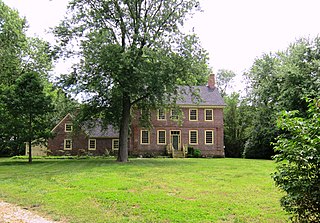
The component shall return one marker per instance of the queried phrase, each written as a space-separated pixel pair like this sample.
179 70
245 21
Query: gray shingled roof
97 131
209 96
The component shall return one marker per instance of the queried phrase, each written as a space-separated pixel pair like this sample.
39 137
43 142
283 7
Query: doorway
175 139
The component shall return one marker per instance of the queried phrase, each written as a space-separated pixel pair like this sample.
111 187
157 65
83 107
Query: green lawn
144 190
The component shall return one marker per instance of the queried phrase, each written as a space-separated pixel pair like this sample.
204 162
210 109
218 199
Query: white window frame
65 127
165 137
174 116
164 114
113 144
145 143
205 137
65 143
95 144
197 137
193 109
205 115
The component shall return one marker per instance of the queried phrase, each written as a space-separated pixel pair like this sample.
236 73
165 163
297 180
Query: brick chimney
211 81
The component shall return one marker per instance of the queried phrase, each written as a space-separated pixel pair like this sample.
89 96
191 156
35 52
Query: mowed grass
144 190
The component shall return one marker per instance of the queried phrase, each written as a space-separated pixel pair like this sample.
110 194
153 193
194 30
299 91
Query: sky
234 32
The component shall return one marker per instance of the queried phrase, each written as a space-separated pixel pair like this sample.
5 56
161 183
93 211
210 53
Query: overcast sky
234 32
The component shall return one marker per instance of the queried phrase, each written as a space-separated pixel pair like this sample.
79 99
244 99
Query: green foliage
25 63
145 190
280 81
190 151
196 153
29 106
298 169
12 42
237 123
224 79
133 54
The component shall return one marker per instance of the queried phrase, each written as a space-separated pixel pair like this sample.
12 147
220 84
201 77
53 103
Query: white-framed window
67 144
193 137
92 143
115 144
161 137
174 115
208 114
161 115
68 127
209 137
144 137
193 114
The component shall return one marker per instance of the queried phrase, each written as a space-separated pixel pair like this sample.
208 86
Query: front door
175 139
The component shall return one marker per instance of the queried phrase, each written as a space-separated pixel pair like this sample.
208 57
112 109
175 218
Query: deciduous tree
298 162
133 54
281 81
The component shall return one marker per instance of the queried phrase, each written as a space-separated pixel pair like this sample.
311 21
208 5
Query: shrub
190 152
298 163
196 153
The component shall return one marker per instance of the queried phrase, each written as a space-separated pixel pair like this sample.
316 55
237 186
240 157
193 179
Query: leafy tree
133 55
224 80
19 55
28 103
279 82
12 42
298 168
237 123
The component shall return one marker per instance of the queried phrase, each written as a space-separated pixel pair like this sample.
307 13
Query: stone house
200 126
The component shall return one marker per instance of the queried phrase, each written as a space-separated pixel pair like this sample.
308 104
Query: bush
197 153
298 163
190 152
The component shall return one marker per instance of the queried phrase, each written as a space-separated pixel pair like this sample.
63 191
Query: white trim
165 116
165 137
171 137
64 144
65 126
197 137
205 115
205 137
141 137
95 144
201 106
61 121
197 114
113 142
171 115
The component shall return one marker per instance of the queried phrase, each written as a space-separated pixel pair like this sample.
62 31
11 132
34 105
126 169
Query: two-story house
199 124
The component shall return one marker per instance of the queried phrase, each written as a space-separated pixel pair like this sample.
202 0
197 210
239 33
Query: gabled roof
209 96
93 129
67 115
97 131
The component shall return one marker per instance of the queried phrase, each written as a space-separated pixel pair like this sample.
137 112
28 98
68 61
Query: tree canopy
24 61
280 81
298 162
132 54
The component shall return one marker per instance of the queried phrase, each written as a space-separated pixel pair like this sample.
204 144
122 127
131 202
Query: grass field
144 190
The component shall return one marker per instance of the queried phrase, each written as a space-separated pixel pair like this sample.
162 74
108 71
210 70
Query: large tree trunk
124 129
30 138
30 155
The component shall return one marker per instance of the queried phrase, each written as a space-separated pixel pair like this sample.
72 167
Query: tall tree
133 54
281 81
19 55
224 80
237 124
12 43
30 105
